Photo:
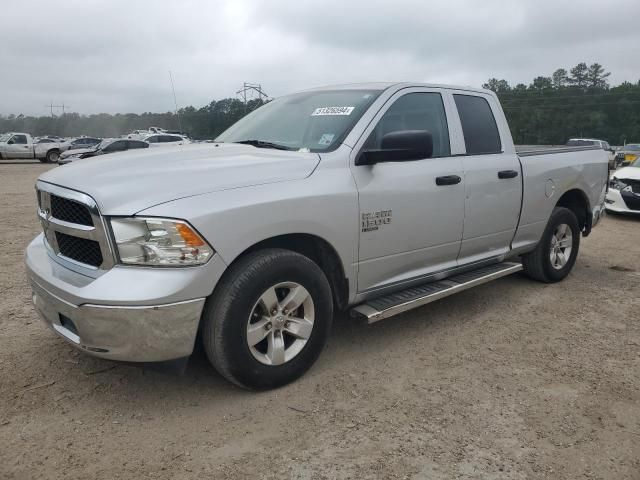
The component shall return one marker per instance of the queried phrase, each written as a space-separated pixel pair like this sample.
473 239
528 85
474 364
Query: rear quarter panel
546 178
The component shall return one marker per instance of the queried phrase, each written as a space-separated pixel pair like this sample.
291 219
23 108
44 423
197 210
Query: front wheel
268 320
556 253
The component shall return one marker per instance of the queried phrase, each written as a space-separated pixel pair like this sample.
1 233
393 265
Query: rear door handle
507 174
448 180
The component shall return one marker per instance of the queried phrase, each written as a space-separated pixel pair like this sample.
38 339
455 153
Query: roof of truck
386 85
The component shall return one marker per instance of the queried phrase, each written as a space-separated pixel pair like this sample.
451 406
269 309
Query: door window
479 126
415 111
20 139
117 146
137 144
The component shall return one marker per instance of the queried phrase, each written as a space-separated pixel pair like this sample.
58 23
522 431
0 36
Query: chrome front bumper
133 334
127 314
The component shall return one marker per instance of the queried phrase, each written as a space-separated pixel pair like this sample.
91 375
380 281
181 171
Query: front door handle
448 180
507 174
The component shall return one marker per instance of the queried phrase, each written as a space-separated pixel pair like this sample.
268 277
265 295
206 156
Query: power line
557 93
251 87
567 105
51 106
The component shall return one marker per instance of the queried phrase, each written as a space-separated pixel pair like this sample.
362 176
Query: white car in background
624 190
164 139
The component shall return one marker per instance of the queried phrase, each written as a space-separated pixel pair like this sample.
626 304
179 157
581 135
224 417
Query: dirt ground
514 379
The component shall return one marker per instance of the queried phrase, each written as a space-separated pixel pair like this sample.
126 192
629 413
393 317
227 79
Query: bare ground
514 379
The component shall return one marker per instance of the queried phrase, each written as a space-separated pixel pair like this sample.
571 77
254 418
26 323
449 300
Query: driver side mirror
11 142
400 146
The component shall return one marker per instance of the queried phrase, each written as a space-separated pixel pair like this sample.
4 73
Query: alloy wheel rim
561 246
280 323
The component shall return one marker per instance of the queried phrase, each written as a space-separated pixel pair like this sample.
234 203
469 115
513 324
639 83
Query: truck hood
631 173
128 182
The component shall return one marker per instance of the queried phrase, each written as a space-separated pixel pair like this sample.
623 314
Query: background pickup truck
22 146
373 198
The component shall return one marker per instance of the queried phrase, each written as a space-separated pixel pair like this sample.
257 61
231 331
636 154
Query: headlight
617 184
159 242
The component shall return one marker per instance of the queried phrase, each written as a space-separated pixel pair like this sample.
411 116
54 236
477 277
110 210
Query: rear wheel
556 253
268 319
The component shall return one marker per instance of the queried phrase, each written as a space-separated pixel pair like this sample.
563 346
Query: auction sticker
332 111
326 139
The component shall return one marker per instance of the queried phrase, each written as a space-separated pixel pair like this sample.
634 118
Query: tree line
200 123
575 103
550 110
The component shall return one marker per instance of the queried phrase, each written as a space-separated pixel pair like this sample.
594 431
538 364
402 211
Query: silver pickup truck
373 198
22 146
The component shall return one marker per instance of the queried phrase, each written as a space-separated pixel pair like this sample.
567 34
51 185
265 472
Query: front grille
632 201
70 211
635 185
79 249
72 226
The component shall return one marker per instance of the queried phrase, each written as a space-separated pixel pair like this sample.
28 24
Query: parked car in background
18 146
588 142
104 147
80 143
377 198
39 141
164 139
624 189
628 154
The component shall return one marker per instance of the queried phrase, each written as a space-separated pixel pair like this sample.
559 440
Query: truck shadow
353 346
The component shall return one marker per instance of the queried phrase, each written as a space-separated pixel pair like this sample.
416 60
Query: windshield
5 137
634 147
101 145
315 121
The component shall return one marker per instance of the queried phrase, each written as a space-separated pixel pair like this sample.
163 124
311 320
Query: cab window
415 111
479 126
19 140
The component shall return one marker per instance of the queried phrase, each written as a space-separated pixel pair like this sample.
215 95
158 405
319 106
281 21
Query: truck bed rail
530 150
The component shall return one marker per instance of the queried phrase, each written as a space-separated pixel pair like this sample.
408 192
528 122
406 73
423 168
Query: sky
114 56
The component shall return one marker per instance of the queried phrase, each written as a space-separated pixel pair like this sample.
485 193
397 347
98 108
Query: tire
239 300
540 264
52 156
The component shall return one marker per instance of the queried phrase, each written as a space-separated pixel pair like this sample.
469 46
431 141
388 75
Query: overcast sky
115 55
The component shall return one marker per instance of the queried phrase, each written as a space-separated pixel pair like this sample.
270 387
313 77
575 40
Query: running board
395 303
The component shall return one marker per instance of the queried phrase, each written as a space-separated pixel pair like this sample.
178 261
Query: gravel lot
514 379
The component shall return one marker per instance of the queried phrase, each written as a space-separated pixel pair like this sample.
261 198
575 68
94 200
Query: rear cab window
479 127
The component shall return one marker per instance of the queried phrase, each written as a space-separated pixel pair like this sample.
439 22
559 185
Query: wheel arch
577 201
316 249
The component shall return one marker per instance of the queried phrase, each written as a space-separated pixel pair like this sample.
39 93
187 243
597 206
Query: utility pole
175 101
251 88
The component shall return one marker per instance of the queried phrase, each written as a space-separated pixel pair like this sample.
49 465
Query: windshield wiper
263 144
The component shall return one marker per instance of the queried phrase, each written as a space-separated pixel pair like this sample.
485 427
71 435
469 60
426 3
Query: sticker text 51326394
332 111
